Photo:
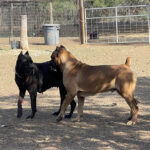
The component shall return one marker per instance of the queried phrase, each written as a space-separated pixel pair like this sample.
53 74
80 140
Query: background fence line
122 24
37 14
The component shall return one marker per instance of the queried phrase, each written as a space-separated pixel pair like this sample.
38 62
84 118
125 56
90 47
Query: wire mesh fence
37 14
123 24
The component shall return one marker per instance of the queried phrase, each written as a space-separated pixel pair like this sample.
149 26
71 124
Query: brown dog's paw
78 119
131 123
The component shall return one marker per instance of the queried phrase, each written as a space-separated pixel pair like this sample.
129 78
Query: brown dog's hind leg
131 101
67 101
125 85
136 105
134 111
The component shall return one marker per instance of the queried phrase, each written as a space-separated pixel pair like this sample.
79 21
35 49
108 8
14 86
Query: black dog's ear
27 53
57 47
21 53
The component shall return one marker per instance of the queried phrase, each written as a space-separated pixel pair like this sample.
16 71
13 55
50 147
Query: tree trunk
82 25
51 12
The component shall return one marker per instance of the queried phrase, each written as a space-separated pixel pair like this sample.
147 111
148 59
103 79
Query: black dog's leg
73 106
63 92
33 104
21 97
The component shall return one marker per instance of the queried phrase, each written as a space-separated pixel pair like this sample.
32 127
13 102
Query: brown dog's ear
27 53
61 46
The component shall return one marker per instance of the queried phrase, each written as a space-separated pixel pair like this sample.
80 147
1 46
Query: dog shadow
101 128
143 90
38 43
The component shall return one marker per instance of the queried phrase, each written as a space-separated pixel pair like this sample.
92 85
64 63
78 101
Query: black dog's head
24 64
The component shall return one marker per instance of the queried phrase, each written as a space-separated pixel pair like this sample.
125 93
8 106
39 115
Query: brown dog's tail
128 62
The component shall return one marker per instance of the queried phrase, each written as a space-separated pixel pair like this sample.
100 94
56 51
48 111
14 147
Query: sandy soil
104 124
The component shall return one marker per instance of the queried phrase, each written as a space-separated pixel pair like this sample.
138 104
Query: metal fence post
116 24
148 17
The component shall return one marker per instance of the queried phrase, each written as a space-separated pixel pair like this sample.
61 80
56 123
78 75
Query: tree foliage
111 3
60 5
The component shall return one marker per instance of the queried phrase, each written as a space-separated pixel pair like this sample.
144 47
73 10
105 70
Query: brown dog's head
56 55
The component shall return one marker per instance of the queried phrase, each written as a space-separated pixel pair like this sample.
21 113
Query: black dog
37 77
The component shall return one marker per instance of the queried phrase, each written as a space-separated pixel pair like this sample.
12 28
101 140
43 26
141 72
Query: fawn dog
82 80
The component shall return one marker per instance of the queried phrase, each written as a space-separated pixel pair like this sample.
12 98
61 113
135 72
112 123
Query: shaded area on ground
102 127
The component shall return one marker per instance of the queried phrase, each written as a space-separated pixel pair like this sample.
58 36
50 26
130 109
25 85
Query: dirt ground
104 124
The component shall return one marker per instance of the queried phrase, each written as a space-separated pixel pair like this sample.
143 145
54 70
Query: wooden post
82 24
24 37
11 20
51 12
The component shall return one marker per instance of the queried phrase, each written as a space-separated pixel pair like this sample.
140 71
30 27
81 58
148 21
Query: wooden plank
24 36
82 24
11 21
51 12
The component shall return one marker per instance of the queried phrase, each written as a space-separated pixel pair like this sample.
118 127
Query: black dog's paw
68 116
19 115
56 113
19 111
59 119
130 117
30 116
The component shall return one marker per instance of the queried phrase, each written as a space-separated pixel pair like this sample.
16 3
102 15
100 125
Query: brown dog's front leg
80 107
64 106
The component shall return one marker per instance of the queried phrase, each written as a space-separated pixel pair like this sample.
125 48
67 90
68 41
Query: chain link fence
122 24
38 14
